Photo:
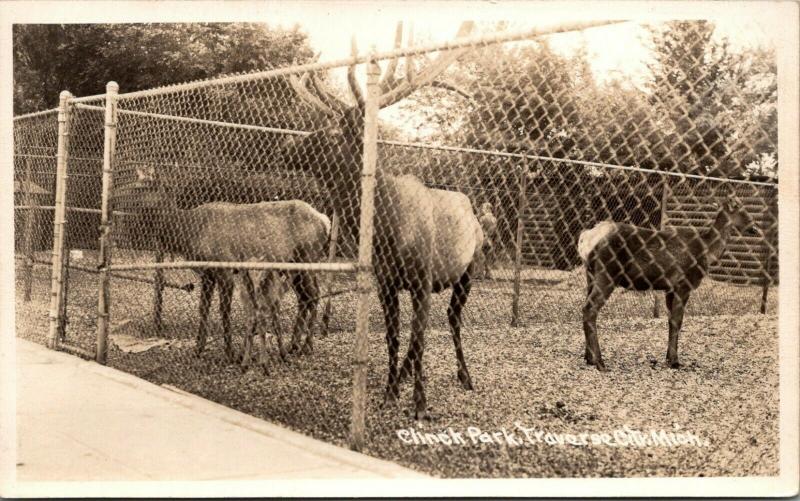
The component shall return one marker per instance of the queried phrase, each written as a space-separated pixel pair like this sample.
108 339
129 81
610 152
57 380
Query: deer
425 240
277 231
673 259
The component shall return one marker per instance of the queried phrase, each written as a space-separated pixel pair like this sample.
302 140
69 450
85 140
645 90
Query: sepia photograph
319 248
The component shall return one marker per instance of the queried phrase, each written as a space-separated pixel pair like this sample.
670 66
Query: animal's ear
729 203
334 131
146 175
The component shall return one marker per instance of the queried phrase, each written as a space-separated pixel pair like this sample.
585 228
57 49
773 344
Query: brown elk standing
285 231
674 260
425 240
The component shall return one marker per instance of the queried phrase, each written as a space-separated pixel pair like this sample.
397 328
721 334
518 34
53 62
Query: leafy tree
81 58
712 98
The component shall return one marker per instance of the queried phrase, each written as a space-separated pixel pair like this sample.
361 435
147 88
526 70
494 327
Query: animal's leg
249 302
407 367
391 315
270 290
225 298
421 304
676 303
206 291
589 287
457 300
307 289
596 297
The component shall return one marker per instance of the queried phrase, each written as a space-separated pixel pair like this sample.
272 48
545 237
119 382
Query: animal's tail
589 239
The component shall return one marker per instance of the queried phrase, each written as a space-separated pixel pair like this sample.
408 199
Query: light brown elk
283 231
425 240
674 260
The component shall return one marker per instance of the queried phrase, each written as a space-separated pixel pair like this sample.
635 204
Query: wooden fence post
359 408
30 226
104 295
59 222
326 314
158 291
521 207
664 198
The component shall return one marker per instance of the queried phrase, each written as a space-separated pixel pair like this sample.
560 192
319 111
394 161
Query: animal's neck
346 192
178 229
716 237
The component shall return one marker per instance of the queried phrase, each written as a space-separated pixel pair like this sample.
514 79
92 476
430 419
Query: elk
425 240
282 231
674 260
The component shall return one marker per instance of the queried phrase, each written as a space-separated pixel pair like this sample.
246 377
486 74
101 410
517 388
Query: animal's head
486 208
332 150
735 216
337 148
148 192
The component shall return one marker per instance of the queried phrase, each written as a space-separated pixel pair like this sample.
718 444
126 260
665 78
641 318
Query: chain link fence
238 231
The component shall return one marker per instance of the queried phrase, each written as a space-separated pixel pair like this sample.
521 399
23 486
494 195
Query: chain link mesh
497 164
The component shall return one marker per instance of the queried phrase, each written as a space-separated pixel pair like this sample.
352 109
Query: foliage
83 57
719 102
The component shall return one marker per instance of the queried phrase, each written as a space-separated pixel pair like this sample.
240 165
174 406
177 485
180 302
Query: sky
612 50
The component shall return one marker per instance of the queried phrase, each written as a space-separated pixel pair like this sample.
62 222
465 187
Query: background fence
548 168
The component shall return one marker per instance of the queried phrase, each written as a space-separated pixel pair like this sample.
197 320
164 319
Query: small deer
674 260
425 240
283 231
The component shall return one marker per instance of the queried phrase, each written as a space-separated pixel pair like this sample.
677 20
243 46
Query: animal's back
265 231
643 258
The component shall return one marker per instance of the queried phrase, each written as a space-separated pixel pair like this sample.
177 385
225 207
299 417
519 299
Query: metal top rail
35 114
392 54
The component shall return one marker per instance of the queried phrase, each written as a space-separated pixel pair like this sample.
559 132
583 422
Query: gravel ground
724 401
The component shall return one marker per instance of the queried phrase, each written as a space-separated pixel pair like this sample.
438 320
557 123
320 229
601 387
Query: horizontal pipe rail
187 287
53 157
456 149
215 123
572 161
35 114
71 209
76 350
233 265
476 41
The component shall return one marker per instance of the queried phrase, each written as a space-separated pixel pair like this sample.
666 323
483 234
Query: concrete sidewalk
80 421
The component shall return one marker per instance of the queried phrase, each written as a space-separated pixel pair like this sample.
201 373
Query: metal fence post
59 221
326 314
104 299
358 416
30 225
158 291
521 207
661 224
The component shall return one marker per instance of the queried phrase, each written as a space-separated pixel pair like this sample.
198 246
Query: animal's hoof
425 415
390 398
466 381
675 365
601 366
294 348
